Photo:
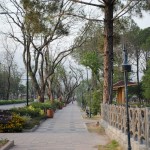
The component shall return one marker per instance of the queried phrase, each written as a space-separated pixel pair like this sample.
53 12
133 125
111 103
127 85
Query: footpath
66 131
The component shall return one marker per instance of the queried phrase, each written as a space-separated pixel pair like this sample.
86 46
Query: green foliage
28 111
96 100
31 114
146 44
93 100
31 122
144 34
135 90
56 104
3 141
40 105
39 17
81 94
146 82
113 145
117 74
91 59
14 81
14 125
5 102
90 53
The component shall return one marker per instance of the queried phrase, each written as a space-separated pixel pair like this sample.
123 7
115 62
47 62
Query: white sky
143 22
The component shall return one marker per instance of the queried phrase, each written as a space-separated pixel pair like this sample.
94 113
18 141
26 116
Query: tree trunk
94 80
108 52
49 90
42 97
8 86
137 73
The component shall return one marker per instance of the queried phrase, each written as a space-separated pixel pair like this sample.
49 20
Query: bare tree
10 67
42 23
71 81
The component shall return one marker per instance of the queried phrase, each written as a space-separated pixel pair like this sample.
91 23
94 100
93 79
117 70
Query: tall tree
146 82
90 54
113 10
144 37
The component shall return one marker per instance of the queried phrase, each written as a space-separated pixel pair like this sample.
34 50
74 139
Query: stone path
66 131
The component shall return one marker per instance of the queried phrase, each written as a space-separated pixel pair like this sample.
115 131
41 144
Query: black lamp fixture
126 68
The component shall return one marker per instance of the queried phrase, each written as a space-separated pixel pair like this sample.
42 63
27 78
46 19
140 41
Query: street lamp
126 68
82 92
27 84
89 90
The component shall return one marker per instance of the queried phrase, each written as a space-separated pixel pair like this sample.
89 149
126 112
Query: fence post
147 127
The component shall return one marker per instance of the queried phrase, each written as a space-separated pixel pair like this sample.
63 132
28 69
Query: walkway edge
7 146
35 127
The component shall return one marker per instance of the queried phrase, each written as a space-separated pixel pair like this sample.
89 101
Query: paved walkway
9 106
66 131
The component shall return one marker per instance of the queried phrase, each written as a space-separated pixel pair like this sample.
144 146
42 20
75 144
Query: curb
7 146
35 127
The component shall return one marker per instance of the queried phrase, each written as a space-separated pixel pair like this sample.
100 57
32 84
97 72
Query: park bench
5 116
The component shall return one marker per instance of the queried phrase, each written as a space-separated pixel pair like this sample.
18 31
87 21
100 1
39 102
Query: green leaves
146 82
42 17
91 60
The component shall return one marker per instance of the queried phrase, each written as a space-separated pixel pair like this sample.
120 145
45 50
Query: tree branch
118 15
83 17
86 3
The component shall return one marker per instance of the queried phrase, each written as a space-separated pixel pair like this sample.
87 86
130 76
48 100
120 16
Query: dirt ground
93 126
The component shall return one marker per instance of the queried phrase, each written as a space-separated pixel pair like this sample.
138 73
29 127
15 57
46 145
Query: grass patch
113 145
3 142
96 128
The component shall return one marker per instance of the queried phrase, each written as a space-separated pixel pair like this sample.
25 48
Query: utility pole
126 68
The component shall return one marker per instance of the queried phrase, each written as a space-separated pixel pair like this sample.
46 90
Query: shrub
95 102
14 125
3 142
41 105
30 122
28 111
17 101
56 104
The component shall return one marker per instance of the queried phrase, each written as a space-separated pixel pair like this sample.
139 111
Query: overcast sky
143 22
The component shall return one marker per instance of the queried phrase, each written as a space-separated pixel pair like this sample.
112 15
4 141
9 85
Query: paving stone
66 131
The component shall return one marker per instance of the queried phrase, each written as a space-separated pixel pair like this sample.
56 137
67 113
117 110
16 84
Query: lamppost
82 92
27 84
126 68
89 90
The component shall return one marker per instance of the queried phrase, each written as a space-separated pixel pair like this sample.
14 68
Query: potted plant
50 113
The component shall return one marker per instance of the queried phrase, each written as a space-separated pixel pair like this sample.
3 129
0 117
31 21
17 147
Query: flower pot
50 113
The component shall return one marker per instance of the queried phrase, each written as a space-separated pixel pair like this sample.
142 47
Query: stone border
8 145
115 134
35 127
